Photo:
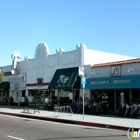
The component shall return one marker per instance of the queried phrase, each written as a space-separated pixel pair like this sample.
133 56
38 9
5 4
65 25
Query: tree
1 75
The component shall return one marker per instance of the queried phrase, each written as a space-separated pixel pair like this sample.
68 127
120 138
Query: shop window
47 94
77 94
134 95
40 82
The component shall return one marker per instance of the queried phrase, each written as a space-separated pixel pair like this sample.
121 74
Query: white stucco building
118 80
35 74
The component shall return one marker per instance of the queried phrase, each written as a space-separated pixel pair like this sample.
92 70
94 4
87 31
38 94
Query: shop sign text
62 79
103 82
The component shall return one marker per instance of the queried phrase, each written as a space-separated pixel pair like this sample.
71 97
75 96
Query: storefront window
4 96
0 95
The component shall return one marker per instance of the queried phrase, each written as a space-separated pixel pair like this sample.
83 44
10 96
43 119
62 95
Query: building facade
35 75
119 80
5 85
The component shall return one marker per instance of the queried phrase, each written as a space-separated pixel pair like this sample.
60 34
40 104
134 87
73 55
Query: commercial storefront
40 70
4 92
122 88
59 71
17 88
66 83
39 91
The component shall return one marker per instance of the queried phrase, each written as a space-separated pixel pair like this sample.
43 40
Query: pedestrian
30 99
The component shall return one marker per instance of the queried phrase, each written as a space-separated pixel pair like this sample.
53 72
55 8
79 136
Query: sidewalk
104 121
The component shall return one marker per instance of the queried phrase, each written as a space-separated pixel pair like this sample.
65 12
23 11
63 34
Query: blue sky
104 25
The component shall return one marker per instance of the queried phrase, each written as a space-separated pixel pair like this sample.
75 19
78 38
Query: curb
92 124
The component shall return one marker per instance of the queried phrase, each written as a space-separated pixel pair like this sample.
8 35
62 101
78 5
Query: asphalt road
14 128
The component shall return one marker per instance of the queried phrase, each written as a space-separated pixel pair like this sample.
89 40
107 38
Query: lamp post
83 82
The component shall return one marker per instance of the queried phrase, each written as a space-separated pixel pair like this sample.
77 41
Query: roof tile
137 60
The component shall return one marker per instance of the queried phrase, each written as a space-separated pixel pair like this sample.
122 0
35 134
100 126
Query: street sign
81 71
83 80
83 85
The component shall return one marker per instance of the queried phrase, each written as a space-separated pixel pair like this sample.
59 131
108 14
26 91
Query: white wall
68 58
6 68
96 57
106 71
51 61
20 66
45 64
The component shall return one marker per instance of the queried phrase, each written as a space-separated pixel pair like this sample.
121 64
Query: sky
104 25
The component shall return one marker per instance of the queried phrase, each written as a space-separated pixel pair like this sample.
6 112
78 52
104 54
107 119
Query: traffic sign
81 71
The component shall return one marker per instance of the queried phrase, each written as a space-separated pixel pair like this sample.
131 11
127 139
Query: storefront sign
66 78
115 71
121 81
113 82
17 82
99 82
62 79
17 79
81 71
16 85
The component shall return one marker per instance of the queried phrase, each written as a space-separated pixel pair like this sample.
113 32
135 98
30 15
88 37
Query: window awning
4 85
67 78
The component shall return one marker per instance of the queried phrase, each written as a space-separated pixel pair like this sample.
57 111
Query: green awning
67 78
4 85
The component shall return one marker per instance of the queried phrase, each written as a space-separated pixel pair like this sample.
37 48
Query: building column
56 93
19 99
27 93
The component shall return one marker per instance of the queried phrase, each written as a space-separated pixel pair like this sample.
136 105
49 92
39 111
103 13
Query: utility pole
83 82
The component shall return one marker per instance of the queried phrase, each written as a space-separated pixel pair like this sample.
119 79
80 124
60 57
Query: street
14 128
